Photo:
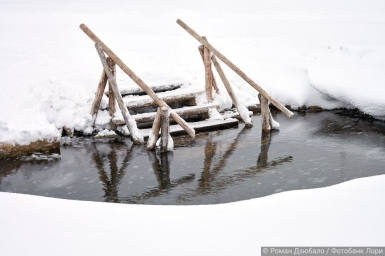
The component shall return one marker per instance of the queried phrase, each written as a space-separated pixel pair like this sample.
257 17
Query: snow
106 134
170 143
329 54
348 214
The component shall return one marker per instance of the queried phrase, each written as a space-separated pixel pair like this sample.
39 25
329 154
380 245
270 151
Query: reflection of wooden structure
112 178
212 180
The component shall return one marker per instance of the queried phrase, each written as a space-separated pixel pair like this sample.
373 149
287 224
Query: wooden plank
131 124
172 96
231 65
183 112
136 79
202 126
156 88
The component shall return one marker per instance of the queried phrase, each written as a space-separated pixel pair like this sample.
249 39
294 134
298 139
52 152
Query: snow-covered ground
293 49
348 214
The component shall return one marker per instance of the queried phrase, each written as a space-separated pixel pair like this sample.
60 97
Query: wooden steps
201 126
183 112
183 102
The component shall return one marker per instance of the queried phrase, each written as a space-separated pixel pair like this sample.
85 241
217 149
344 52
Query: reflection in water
111 182
310 151
162 173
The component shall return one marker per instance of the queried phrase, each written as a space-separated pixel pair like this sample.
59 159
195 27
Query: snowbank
330 54
348 214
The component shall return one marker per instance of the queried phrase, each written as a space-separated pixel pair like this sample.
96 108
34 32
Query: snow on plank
169 96
135 90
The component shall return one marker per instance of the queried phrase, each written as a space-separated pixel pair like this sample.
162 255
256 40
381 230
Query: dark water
310 151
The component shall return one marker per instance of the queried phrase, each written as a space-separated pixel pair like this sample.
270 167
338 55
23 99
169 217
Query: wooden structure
265 97
150 98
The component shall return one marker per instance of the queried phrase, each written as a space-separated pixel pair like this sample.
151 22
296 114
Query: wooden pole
135 135
99 94
154 135
281 107
265 114
165 129
137 80
208 74
111 96
230 91
214 83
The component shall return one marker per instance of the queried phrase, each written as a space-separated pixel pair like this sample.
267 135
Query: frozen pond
310 151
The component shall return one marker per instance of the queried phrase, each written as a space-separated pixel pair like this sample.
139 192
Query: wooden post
265 114
137 80
99 94
154 135
208 74
111 96
135 135
281 107
213 82
230 91
165 129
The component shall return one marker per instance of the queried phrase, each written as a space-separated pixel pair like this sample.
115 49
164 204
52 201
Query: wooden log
99 94
265 114
281 107
136 79
111 97
135 135
154 135
230 91
214 83
208 75
165 129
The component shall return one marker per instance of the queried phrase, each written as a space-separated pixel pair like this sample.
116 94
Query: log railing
231 65
101 47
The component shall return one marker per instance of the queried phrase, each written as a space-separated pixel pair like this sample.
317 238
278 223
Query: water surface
310 151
